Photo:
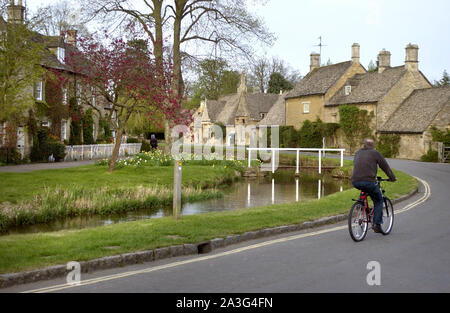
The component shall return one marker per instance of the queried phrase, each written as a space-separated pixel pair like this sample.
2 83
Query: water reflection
277 189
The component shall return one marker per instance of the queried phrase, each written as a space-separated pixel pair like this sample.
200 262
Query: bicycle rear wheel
388 217
358 222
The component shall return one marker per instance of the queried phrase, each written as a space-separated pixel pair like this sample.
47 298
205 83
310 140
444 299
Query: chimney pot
355 53
412 57
315 61
384 60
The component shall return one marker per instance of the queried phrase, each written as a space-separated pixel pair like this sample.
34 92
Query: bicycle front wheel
388 217
358 223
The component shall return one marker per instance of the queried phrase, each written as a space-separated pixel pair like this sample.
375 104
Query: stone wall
394 98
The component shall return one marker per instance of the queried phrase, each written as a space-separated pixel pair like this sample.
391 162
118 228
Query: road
414 258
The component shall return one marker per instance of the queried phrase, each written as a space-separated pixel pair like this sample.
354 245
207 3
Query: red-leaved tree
119 77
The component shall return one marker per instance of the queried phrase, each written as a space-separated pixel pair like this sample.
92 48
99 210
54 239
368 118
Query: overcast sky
374 24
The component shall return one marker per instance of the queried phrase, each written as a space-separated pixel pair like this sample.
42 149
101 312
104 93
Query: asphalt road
415 257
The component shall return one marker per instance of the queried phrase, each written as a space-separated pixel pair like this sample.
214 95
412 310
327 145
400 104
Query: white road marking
425 197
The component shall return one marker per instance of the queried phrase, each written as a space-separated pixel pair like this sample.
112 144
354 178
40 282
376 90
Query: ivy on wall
388 145
355 124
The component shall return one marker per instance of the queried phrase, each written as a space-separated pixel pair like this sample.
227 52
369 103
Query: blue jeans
373 190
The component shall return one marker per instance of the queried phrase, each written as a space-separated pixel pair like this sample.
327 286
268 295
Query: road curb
110 262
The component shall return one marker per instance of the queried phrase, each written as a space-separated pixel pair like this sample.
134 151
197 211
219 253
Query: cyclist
366 164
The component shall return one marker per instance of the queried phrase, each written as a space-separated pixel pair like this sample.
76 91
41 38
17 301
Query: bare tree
262 68
54 19
223 25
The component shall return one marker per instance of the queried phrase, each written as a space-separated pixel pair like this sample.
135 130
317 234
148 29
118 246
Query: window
79 90
38 91
2 133
64 96
61 55
93 95
263 115
348 90
64 130
306 107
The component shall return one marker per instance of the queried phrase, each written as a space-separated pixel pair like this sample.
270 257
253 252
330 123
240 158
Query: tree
127 77
54 19
372 67
21 54
220 25
444 81
262 68
278 83
216 79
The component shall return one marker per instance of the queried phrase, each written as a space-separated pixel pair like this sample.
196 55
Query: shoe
377 229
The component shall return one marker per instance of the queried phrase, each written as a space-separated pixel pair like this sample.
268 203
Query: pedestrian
153 142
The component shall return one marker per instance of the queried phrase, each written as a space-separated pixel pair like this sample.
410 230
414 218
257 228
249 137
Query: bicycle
361 215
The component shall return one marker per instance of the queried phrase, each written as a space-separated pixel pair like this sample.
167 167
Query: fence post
320 161
298 162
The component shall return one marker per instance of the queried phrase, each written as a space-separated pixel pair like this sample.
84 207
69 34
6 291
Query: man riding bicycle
366 164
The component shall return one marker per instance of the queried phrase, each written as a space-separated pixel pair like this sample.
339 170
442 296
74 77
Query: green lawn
15 187
24 252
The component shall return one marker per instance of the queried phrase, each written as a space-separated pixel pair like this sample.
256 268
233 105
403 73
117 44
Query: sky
374 24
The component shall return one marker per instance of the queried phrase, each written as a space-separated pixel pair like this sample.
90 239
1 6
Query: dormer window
348 90
263 115
61 55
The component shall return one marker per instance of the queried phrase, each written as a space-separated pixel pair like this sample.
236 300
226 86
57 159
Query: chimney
315 61
16 13
384 61
412 57
355 53
72 37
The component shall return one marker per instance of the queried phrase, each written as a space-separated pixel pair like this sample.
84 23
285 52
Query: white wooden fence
90 152
298 150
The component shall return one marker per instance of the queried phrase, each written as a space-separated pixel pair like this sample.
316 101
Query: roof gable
320 80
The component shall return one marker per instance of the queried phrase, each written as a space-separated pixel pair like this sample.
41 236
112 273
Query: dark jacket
154 143
366 164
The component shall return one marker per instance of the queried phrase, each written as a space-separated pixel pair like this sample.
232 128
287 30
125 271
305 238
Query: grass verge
31 251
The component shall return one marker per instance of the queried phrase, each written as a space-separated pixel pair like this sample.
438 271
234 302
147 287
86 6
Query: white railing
298 150
91 152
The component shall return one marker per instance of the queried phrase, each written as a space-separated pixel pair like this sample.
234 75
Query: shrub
57 149
431 156
88 128
311 135
10 156
145 146
44 146
389 145
132 140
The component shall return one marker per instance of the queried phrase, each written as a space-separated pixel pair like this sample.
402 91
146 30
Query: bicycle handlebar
379 179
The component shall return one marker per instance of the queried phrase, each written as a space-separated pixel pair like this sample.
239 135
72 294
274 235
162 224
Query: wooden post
177 175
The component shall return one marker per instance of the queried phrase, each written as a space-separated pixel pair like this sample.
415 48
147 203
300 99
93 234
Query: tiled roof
368 87
418 111
320 80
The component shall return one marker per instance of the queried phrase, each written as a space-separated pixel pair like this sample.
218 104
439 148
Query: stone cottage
56 50
413 120
234 112
308 98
